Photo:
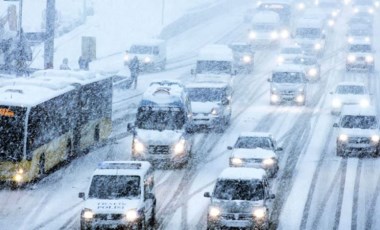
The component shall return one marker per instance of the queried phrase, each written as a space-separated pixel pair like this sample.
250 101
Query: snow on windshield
359 122
350 89
239 190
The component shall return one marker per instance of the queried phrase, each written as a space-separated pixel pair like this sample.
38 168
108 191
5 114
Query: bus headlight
317 46
247 59
313 72
138 146
180 147
252 35
268 162
18 178
343 137
214 212
336 103
375 138
147 59
274 35
364 103
369 58
351 58
131 215
259 213
236 161
87 214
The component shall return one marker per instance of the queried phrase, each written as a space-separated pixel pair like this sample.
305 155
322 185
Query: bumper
360 66
207 120
293 97
111 224
221 222
162 159
356 149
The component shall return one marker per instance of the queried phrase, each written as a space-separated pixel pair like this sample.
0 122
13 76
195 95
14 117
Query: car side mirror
279 149
207 194
81 195
272 196
335 125
192 71
229 147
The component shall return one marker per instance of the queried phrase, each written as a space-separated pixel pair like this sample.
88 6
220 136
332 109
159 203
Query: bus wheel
41 166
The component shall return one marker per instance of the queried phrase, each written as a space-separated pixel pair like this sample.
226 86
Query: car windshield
254 142
360 32
291 51
141 50
12 127
350 89
360 48
206 94
214 67
359 122
263 27
166 118
287 77
115 187
241 48
311 33
251 190
305 61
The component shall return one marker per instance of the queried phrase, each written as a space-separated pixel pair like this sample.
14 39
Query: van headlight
300 98
343 137
252 35
236 161
87 214
138 146
274 35
313 72
364 103
375 138
247 59
369 58
336 103
351 58
180 147
147 59
317 46
259 213
214 212
132 215
214 111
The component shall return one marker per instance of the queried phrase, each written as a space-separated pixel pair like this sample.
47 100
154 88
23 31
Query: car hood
359 132
111 206
203 107
154 137
237 206
351 98
257 153
288 86
360 54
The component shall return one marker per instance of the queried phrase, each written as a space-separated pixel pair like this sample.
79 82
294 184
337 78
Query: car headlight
274 35
259 213
313 72
268 162
300 98
351 58
350 40
285 34
331 23
87 214
274 98
273 89
336 103
126 57
371 10
356 10
138 146
180 147
132 215
301 6
377 4
214 212
147 59
367 39
214 111
375 138
247 59
369 58
317 46
252 35
280 60
364 103
343 137
300 90
236 161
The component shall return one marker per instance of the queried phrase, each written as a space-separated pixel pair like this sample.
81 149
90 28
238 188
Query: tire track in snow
340 196
354 217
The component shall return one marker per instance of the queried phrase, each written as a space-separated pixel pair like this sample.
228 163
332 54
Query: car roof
206 84
215 52
134 168
149 42
351 83
255 134
357 110
309 23
242 174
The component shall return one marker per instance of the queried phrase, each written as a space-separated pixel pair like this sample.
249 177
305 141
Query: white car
257 150
121 194
349 93
289 52
360 56
358 132
310 35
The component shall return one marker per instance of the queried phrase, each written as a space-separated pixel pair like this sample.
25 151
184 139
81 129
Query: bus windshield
160 118
12 124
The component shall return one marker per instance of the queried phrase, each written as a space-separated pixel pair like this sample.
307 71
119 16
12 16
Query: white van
121 194
151 54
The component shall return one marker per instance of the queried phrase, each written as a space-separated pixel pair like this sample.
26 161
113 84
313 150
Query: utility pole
163 13
49 40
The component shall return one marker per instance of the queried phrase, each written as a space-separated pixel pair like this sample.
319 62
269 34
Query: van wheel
41 166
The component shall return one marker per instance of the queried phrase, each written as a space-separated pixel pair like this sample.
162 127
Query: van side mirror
335 125
207 194
81 195
229 147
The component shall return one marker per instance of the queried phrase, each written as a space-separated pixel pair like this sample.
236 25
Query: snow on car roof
309 23
289 68
358 110
242 174
71 76
163 94
351 83
150 42
265 16
255 134
25 92
215 53
207 85
137 168
257 153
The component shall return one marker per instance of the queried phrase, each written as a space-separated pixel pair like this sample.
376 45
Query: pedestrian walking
134 67
65 64
83 63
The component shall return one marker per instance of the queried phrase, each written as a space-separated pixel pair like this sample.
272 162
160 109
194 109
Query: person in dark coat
83 63
134 67
65 64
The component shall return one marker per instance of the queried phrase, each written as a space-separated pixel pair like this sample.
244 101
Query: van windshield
310 33
160 119
12 128
115 187
287 77
214 67
141 50
206 94
252 190
359 122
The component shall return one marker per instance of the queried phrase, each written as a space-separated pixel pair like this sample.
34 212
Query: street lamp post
19 16
163 12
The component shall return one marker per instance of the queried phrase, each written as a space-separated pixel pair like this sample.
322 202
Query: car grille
159 149
252 160
288 92
359 140
108 216
232 216
360 58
